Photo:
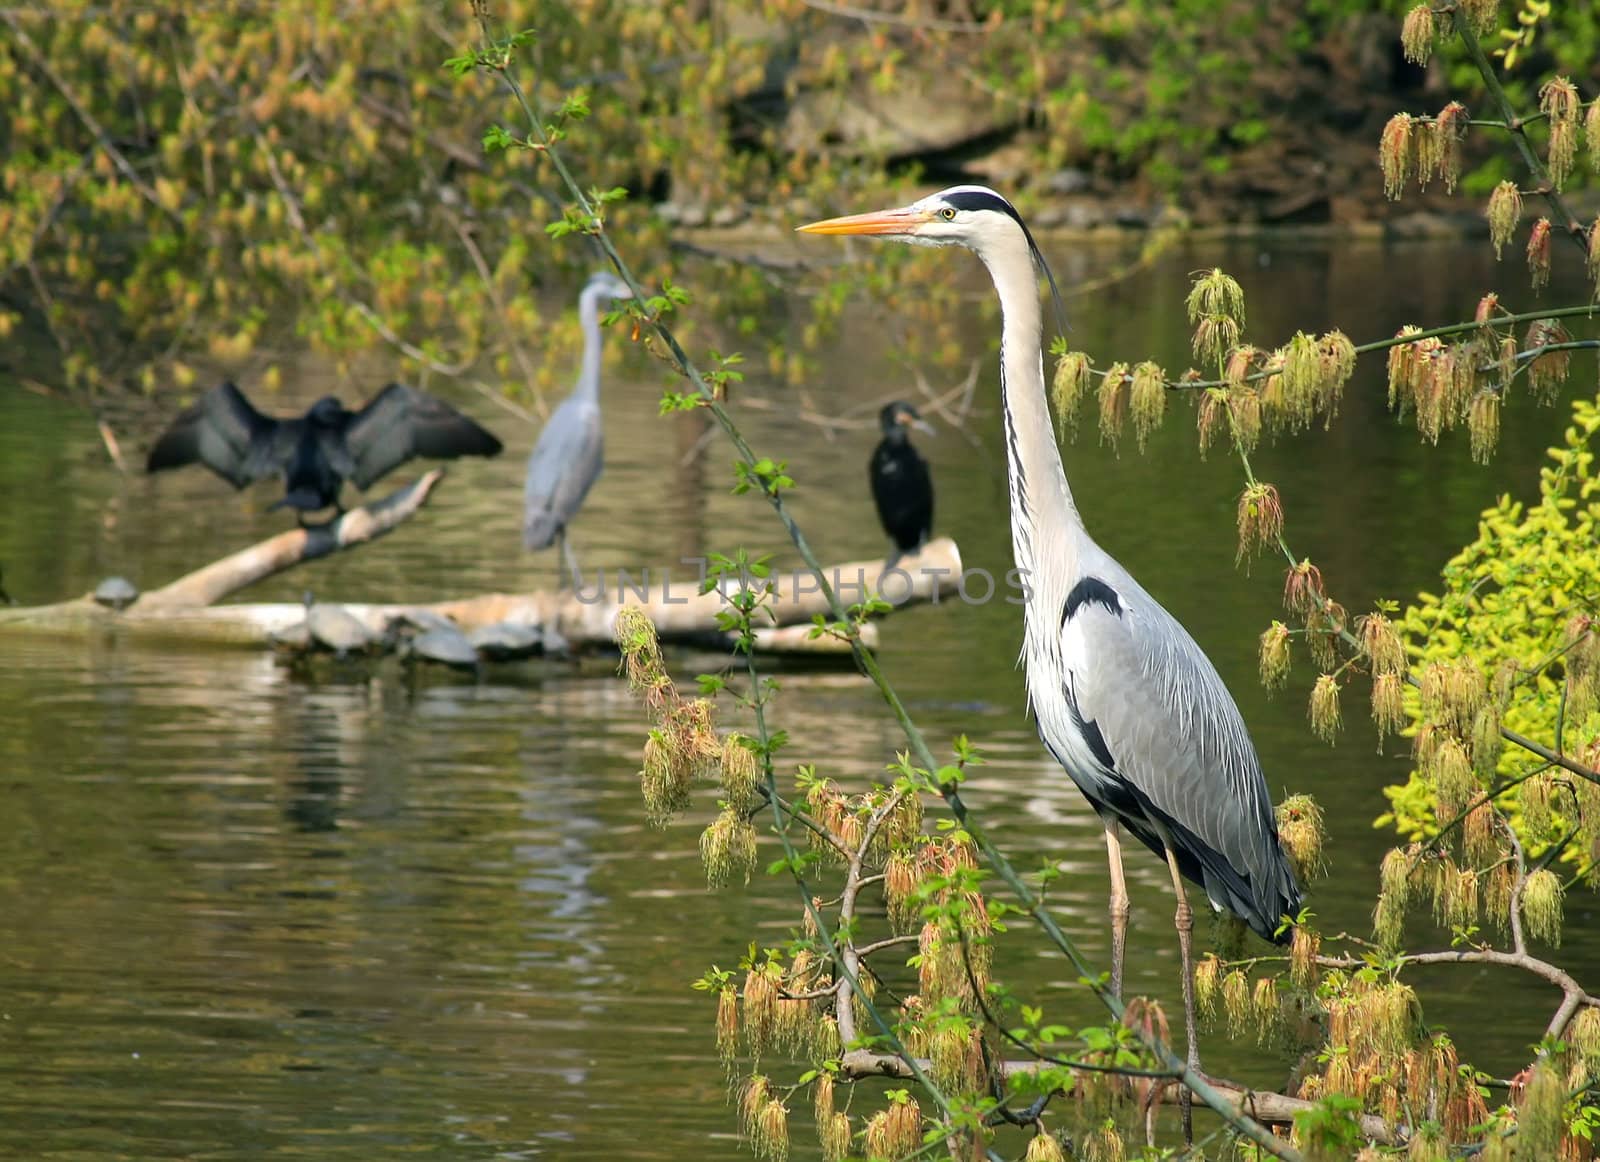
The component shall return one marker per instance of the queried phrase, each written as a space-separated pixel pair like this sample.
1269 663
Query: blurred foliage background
221 185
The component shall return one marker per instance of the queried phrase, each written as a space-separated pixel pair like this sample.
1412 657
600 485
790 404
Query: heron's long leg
1119 904
1184 921
570 559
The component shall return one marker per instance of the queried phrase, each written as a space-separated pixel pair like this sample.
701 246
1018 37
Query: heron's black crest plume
979 198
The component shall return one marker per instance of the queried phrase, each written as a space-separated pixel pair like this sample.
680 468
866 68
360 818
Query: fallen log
186 609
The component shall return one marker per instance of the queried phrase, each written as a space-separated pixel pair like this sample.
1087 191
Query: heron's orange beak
902 221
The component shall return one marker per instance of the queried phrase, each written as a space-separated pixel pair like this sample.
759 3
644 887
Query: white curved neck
1045 526
589 320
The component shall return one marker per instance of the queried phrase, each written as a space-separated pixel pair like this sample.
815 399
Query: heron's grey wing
1170 748
224 432
562 468
401 422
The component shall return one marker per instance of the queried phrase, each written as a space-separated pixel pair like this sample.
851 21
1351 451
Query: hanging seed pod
770 1136
1548 370
1483 15
1483 424
1322 633
1404 369
1302 377
1237 369
1302 835
1394 154
1541 1121
1559 100
1505 211
1336 362
1458 387
1502 881
760 1007
1388 705
1236 1002
1113 403
1207 979
738 773
1214 337
1416 35
1324 708
636 637
1274 399
1477 835
1244 417
794 1026
1562 151
1542 894
901 884
904 824
1539 254
728 849
1583 1034
835 1136
1533 798
1304 947
1488 310
1215 293
1209 413
1264 1004
754 1095
1450 775
1260 518
895 1132
1449 131
1461 901
1466 692
1394 875
1275 655
1388 918
825 1043
1148 400
1302 588
1106 1145
1068 387
1385 652
727 1023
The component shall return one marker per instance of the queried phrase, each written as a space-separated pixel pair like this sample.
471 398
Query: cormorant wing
223 431
401 422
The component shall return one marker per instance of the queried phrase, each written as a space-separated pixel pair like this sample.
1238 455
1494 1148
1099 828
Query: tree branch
1271 1109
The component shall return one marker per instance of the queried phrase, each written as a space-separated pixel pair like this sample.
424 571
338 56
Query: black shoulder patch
1090 589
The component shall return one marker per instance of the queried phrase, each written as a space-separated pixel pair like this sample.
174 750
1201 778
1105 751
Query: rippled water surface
244 913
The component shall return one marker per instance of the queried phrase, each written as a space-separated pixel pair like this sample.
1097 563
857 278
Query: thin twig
1547 188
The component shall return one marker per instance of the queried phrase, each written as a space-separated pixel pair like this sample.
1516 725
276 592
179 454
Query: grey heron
1124 699
902 487
570 453
317 452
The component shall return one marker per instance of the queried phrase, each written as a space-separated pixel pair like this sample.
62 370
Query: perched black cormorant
901 484
317 452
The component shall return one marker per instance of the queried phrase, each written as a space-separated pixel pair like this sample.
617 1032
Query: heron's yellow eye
948 214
